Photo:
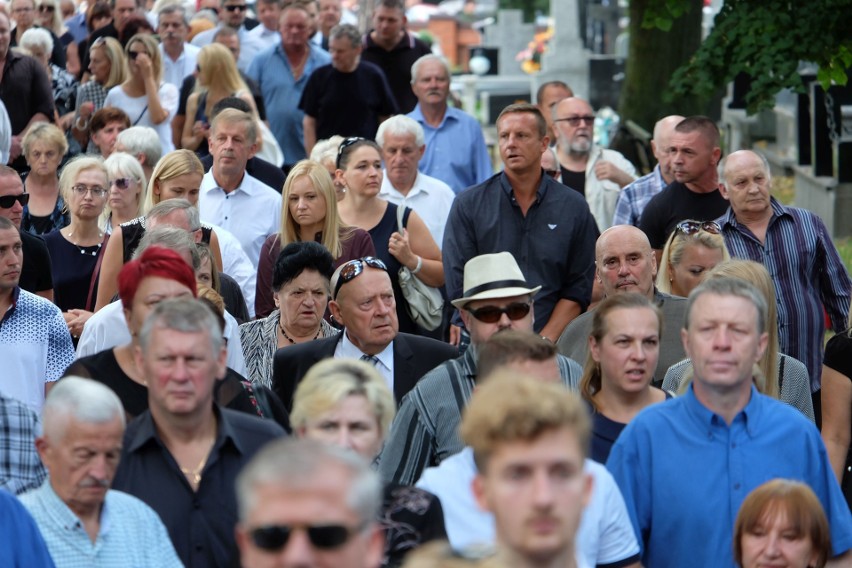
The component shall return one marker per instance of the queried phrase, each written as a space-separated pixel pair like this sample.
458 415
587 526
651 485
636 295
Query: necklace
194 475
288 338
82 249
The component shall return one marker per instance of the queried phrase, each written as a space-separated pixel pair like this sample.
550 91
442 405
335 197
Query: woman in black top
837 408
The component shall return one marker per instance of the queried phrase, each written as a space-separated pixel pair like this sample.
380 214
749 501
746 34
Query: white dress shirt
346 350
175 72
264 36
251 212
429 197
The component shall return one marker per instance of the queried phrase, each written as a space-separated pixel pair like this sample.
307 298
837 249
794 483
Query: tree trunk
653 56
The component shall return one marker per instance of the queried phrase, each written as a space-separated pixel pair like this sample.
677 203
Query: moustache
92 482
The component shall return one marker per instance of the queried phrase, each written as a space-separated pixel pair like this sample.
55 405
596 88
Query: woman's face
99 65
303 300
44 158
773 542
205 272
363 174
133 51
628 352
695 262
351 424
88 206
184 186
45 14
306 204
40 54
124 195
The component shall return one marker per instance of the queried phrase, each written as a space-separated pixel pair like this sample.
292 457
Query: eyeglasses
8 201
22 10
121 183
575 120
324 537
46 8
352 269
344 145
690 227
81 190
235 7
492 314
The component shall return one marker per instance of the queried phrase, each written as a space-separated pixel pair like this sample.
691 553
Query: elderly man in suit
363 301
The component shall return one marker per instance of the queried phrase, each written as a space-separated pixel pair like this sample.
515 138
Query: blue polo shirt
684 474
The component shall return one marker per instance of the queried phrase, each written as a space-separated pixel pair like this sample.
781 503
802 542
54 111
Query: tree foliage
766 40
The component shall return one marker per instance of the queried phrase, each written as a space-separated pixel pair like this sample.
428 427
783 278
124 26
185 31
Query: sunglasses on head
492 314
235 7
354 268
344 145
325 537
8 201
690 227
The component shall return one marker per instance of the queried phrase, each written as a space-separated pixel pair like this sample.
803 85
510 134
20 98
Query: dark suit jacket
413 357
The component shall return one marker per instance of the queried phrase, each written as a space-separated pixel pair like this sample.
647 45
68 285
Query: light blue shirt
684 474
635 196
455 151
281 95
131 534
347 350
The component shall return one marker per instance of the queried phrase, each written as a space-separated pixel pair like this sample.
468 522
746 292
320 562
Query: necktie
371 359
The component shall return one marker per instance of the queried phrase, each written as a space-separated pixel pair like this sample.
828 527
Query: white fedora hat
490 276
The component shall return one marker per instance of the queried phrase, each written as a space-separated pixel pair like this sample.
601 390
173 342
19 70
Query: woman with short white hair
126 197
39 43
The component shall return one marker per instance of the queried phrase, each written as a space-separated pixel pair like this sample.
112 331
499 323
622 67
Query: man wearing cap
425 431
363 301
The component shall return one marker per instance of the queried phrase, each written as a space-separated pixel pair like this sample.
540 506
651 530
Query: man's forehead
379 281
705 308
9 237
622 242
573 106
746 163
693 139
400 139
11 185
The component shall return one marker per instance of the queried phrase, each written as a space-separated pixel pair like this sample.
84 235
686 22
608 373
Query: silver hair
726 286
401 125
293 462
170 9
348 31
37 37
325 151
720 169
83 400
164 208
173 238
142 140
415 68
186 315
122 163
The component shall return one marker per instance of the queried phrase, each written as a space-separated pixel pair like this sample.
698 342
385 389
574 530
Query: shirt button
736 486
733 445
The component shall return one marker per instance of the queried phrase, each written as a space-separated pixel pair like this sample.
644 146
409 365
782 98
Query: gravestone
566 59
511 36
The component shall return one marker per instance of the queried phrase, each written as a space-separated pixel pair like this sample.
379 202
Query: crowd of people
267 301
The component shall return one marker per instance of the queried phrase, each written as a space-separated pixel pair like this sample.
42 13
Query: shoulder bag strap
95 273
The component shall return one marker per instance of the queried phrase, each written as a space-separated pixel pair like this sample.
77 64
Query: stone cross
566 59
511 35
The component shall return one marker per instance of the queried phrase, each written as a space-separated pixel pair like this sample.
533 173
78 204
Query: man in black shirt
694 151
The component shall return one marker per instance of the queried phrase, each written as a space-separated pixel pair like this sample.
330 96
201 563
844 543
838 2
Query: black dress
838 356
381 235
71 267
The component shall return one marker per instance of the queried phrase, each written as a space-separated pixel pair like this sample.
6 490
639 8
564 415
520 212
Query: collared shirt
602 194
251 212
396 64
35 348
265 37
425 430
20 465
249 46
429 197
683 471
130 534
281 94
635 196
346 350
605 535
442 158
175 71
808 275
200 523
554 243
23 544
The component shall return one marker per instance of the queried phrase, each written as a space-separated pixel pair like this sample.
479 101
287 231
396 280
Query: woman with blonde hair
347 403
692 250
43 146
50 17
108 68
217 78
126 190
779 376
308 213
146 99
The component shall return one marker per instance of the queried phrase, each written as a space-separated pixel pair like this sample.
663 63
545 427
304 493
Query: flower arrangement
530 57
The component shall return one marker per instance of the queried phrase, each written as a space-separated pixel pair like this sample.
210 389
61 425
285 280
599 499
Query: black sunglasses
344 145
690 227
354 268
324 537
134 54
235 7
46 8
8 201
492 314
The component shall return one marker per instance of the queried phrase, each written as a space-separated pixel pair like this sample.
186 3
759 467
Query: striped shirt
20 466
425 430
808 275
635 196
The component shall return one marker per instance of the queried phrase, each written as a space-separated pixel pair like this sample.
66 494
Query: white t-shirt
137 109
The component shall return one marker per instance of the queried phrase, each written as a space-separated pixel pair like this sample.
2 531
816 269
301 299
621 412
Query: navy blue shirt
200 524
554 244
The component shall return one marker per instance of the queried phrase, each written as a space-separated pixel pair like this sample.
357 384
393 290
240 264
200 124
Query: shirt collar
247 184
62 514
540 193
778 210
389 189
348 349
749 414
146 432
16 293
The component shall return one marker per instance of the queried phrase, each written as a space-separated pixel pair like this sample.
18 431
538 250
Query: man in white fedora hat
496 297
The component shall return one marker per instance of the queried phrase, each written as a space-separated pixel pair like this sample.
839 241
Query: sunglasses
121 183
134 54
235 7
492 314
8 201
45 8
575 120
690 227
324 537
344 145
352 269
